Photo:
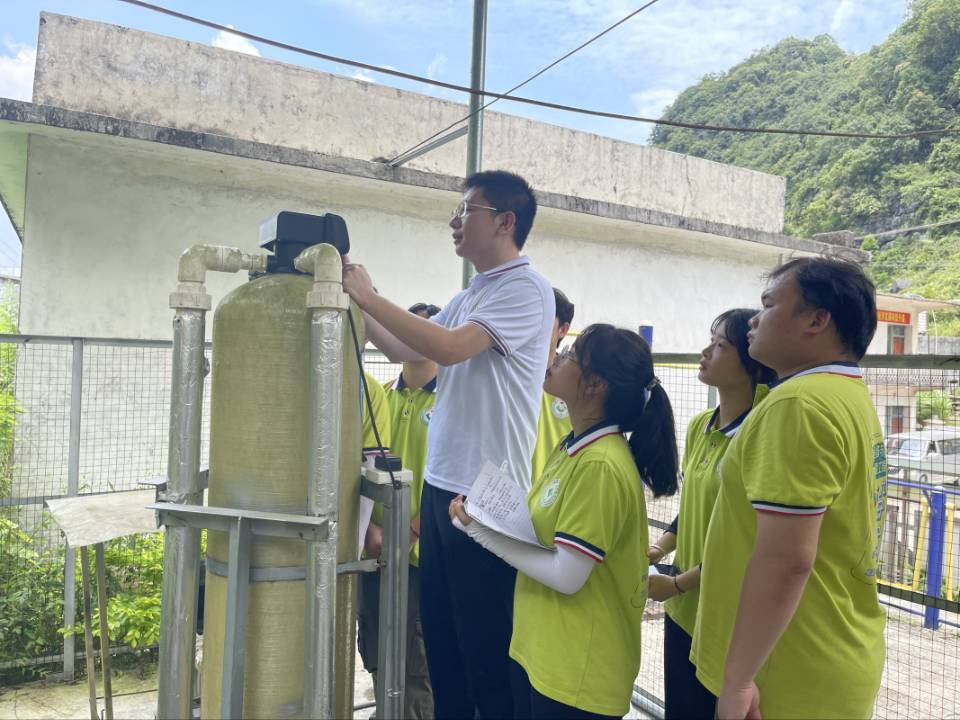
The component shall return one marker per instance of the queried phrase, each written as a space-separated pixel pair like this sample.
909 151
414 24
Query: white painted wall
124 73
107 219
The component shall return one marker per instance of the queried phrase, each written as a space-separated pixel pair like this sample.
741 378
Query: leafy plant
31 595
934 403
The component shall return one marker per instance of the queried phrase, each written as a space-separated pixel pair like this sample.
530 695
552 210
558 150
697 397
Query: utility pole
475 123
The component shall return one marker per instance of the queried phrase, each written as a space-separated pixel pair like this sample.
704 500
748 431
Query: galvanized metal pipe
478 61
328 304
73 487
181 552
394 585
647 702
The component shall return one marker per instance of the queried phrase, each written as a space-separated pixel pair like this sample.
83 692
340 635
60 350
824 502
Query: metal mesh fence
76 417
381 369
114 434
917 404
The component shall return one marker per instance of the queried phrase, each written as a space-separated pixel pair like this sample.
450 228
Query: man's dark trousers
466 609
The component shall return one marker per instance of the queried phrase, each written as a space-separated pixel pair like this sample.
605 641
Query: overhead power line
539 103
907 230
520 85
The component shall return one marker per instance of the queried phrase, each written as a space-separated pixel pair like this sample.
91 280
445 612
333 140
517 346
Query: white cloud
400 13
846 11
652 102
16 70
230 41
364 75
436 66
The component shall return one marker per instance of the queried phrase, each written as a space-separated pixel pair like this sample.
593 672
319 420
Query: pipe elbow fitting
321 261
196 261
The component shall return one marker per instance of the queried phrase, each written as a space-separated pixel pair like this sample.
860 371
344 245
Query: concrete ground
135 698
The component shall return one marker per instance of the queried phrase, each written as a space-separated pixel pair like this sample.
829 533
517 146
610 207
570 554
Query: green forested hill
911 81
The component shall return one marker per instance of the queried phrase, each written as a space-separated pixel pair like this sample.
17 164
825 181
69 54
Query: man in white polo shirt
491 342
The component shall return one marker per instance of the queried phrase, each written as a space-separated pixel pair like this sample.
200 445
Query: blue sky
639 68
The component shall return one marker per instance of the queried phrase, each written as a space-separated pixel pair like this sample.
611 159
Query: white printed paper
366 510
496 501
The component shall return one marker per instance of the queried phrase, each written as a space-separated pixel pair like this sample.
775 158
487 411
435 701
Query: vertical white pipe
328 304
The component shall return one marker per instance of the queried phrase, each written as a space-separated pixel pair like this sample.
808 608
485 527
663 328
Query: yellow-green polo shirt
381 412
584 649
814 446
703 450
552 427
410 413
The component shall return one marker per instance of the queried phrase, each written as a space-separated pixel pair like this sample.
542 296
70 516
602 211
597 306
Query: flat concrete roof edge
61 118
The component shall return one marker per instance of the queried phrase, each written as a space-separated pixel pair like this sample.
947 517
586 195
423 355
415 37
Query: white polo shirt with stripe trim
487 406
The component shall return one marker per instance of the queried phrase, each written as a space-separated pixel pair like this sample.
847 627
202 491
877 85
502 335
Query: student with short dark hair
578 605
491 343
789 623
741 383
554 423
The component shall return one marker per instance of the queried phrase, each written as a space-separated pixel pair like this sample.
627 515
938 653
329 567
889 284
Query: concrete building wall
108 218
129 74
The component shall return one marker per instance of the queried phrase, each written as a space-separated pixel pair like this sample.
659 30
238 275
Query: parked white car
926 457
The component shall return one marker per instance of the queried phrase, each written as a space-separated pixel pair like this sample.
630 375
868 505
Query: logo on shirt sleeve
559 409
550 493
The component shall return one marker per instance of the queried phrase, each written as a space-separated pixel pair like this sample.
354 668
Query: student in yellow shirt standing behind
789 624
578 603
408 401
741 382
554 423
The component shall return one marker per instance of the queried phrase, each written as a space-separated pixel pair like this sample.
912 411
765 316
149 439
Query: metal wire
531 101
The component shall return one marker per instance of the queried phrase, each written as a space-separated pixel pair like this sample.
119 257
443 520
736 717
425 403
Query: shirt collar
759 393
499 270
730 429
399 384
844 368
574 444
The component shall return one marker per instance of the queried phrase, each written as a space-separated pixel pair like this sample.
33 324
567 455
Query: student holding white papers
578 602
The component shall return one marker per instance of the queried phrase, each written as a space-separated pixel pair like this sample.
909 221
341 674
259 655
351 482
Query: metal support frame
73 487
242 526
394 586
238 592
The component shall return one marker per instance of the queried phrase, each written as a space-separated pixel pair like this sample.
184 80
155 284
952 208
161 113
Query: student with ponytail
578 606
741 383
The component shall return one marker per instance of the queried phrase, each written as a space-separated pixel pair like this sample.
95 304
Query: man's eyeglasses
464 207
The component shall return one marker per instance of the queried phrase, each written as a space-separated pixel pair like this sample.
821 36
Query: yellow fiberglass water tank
259 448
